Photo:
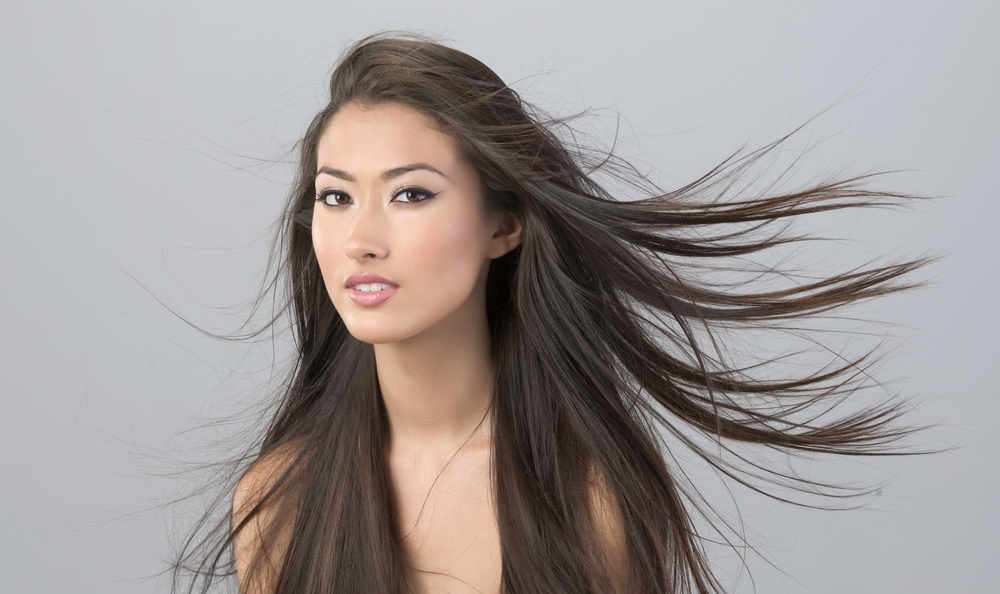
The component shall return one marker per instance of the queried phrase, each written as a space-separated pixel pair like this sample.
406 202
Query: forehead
368 139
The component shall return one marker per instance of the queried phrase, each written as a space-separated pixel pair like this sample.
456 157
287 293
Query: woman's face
399 229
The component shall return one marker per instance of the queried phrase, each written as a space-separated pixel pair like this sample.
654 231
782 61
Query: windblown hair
599 322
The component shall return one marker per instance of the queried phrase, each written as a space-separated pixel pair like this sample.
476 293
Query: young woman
492 347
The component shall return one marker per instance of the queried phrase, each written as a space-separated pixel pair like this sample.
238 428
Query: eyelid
321 196
416 190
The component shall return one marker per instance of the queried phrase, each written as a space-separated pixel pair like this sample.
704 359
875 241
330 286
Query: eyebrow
386 175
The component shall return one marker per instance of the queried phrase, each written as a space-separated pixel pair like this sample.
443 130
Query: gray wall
143 152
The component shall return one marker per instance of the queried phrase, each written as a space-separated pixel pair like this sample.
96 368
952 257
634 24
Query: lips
368 289
367 278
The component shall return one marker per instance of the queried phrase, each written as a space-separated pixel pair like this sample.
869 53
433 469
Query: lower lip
370 298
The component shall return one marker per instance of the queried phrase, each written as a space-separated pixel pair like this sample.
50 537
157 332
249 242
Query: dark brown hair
599 324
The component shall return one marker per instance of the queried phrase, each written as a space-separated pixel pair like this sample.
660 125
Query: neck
437 385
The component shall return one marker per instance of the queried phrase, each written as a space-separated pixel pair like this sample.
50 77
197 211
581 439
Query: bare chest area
446 521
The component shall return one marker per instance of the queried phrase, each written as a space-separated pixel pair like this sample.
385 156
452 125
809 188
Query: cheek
327 244
448 253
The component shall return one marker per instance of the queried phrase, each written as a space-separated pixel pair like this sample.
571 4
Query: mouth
370 294
368 289
366 280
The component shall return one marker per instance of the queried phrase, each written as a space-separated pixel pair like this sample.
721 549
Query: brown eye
333 198
412 195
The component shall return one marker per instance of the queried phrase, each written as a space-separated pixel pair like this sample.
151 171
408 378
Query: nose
366 239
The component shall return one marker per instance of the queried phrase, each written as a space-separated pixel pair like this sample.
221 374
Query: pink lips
369 298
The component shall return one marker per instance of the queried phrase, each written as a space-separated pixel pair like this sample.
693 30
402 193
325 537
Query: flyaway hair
604 334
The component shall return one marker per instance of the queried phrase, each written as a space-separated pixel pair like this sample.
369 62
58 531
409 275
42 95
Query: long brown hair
601 327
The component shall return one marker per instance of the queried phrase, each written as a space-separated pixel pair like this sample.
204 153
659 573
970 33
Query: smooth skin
396 198
428 232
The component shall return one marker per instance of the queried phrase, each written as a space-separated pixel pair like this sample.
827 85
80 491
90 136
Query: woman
491 348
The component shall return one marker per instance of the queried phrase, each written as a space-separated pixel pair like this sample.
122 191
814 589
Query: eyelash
415 190
326 194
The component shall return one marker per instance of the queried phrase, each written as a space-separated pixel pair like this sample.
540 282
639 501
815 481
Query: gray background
144 145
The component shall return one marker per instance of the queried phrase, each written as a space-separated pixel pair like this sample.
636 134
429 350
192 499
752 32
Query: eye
333 198
412 195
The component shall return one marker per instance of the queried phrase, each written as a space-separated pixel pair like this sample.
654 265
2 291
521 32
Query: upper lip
364 278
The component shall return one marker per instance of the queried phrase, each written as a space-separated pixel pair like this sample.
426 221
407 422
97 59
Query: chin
398 322
373 335
374 331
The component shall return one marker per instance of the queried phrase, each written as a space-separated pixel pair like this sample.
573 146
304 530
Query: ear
506 235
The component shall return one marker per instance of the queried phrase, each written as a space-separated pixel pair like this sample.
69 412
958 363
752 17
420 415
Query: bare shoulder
260 478
609 526
261 525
